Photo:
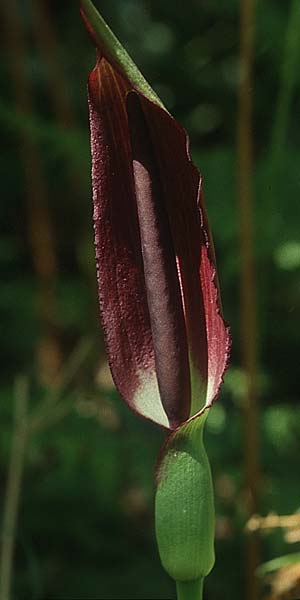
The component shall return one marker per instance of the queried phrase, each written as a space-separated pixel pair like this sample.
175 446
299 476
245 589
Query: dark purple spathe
157 281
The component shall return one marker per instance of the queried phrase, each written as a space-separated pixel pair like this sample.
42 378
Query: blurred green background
85 522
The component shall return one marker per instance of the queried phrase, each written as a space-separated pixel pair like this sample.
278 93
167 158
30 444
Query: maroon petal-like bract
166 339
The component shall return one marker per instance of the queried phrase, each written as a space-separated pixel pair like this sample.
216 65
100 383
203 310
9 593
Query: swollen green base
184 505
190 590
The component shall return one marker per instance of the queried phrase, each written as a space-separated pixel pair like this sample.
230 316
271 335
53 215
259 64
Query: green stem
115 53
190 590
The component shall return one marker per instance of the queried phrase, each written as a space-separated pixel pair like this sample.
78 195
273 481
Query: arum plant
166 339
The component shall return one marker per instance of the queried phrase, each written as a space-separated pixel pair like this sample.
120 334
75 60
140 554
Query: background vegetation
84 465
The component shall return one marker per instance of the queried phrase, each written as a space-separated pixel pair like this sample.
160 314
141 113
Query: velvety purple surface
147 194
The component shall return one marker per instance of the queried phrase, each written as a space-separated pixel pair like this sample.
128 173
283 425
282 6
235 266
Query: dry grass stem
13 487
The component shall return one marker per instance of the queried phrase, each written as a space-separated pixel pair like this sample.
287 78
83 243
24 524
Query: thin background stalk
13 488
59 91
247 281
38 214
55 407
289 76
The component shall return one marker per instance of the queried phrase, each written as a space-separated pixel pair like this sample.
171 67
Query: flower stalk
190 590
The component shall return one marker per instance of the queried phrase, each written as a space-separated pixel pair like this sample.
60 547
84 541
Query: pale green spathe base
147 400
190 590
